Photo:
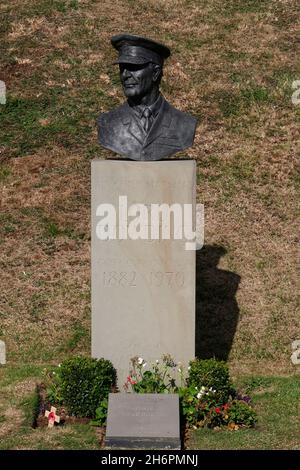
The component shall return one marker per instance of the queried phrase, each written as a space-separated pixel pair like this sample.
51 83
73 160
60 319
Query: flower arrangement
158 377
207 397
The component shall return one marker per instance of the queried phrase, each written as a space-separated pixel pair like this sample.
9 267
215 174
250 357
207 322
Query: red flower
218 410
129 379
226 407
51 415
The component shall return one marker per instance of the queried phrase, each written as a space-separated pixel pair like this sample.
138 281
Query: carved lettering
167 278
119 279
171 279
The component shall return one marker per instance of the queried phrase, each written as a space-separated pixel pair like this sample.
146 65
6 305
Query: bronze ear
158 71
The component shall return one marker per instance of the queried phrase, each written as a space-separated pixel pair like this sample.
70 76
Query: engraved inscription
119 279
172 279
167 278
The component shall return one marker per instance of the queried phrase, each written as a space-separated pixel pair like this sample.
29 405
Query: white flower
189 367
145 363
59 365
157 361
203 388
179 369
140 360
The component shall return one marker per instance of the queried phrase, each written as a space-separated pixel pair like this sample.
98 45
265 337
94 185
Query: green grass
276 400
14 374
236 104
4 173
78 334
66 124
52 230
242 6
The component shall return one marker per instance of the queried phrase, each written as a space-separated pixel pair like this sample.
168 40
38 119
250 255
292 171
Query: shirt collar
154 107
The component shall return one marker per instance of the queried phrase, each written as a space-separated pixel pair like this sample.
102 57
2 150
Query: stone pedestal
143 290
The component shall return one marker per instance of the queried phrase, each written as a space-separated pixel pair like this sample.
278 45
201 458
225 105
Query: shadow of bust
217 311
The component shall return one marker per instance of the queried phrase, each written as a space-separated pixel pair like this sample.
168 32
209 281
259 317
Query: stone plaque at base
143 290
143 421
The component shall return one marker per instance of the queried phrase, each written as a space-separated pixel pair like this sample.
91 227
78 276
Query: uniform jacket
121 131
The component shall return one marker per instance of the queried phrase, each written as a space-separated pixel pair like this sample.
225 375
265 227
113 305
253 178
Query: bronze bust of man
146 127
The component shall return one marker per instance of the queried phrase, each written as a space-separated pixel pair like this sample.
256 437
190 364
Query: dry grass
12 420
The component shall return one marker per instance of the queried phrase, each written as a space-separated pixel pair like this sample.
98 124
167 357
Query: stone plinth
143 291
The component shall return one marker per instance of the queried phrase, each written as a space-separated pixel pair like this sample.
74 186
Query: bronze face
137 79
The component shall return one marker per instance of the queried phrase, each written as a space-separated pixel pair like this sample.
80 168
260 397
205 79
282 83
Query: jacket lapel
161 123
130 122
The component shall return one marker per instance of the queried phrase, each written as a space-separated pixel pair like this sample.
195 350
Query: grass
232 66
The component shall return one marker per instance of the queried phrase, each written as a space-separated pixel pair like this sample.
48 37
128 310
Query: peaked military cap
139 50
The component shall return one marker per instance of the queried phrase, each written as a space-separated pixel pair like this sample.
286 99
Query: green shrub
210 373
241 413
195 404
101 414
84 382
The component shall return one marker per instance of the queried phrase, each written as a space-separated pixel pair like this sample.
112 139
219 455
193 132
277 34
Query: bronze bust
146 127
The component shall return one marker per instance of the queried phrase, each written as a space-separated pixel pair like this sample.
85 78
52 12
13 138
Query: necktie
147 119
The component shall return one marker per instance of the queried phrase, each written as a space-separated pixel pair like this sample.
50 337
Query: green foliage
199 410
157 378
207 397
211 374
53 383
81 383
234 414
210 400
241 413
195 404
101 414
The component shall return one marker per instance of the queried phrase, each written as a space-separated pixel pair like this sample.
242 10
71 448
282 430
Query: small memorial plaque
143 421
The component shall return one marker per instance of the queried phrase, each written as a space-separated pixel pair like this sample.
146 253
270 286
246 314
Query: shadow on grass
217 311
